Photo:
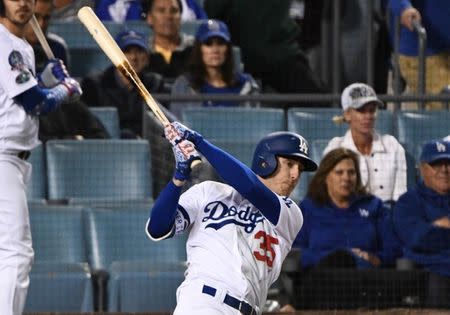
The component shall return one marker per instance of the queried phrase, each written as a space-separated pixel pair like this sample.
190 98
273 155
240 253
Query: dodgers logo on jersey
221 215
16 62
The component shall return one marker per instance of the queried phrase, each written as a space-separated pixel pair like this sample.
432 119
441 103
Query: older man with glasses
422 221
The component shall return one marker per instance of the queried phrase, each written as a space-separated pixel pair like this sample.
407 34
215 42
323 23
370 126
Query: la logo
303 146
440 147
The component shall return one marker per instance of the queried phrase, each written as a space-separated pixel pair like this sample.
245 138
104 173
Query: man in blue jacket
422 221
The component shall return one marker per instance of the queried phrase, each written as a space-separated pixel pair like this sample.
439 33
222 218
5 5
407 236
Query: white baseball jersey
231 243
18 130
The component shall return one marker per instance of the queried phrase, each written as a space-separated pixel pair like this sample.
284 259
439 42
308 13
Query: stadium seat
58 233
109 117
235 129
86 56
60 279
142 286
119 235
417 127
98 169
119 247
37 190
316 123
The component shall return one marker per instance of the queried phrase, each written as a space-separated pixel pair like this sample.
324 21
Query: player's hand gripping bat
118 58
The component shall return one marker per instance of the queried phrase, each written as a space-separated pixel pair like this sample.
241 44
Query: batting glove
53 74
73 88
176 132
185 155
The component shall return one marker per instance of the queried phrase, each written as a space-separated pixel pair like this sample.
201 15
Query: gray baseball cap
357 95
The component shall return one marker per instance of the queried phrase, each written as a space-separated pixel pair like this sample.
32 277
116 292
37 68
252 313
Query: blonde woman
382 159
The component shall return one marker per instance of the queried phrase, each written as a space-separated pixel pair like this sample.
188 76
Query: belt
24 155
243 307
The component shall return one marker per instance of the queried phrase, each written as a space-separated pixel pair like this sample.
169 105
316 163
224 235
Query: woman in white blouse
381 157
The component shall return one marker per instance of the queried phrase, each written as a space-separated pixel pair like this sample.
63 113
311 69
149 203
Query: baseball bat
118 58
41 37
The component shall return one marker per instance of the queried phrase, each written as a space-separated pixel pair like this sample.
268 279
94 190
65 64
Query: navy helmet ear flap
265 163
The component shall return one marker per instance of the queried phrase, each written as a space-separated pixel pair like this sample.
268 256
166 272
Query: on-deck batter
239 232
22 98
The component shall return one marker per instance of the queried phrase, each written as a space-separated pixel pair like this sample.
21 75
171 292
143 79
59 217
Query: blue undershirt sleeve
243 179
162 216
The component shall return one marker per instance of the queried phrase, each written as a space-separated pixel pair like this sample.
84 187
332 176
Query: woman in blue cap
212 69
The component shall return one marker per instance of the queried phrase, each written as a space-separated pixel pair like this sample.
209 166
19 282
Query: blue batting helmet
281 143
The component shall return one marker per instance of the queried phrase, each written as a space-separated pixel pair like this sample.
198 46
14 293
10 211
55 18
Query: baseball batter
239 232
23 96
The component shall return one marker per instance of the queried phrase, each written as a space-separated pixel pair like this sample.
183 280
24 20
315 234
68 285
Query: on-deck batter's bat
41 37
118 58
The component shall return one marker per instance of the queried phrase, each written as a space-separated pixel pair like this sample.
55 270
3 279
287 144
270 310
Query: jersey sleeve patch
15 60
182 220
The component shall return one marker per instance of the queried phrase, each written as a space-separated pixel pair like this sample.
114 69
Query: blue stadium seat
316 123
98 169
58 234
142 286
143 274
109 117
60 279
60 287
235 129
417 127
119 235
37 188
86 56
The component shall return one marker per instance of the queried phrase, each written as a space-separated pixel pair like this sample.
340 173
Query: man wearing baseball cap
382 159
422 221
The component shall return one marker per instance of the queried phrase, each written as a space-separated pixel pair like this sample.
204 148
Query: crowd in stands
358 212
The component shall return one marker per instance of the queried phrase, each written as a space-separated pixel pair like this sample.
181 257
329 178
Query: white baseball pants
16 252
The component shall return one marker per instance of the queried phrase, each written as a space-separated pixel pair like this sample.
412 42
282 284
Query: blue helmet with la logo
281 143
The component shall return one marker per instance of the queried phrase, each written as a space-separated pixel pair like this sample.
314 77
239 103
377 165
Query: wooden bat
41 37
118 58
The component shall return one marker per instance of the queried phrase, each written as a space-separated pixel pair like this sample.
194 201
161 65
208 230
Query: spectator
118 10
191 10
43 10
211 69
112 88
422 221
434 15
267 36
341 216
169 47
345 228
71 120
67 10
382 159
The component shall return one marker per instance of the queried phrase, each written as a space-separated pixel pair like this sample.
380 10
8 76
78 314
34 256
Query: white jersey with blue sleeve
231 244
19 130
